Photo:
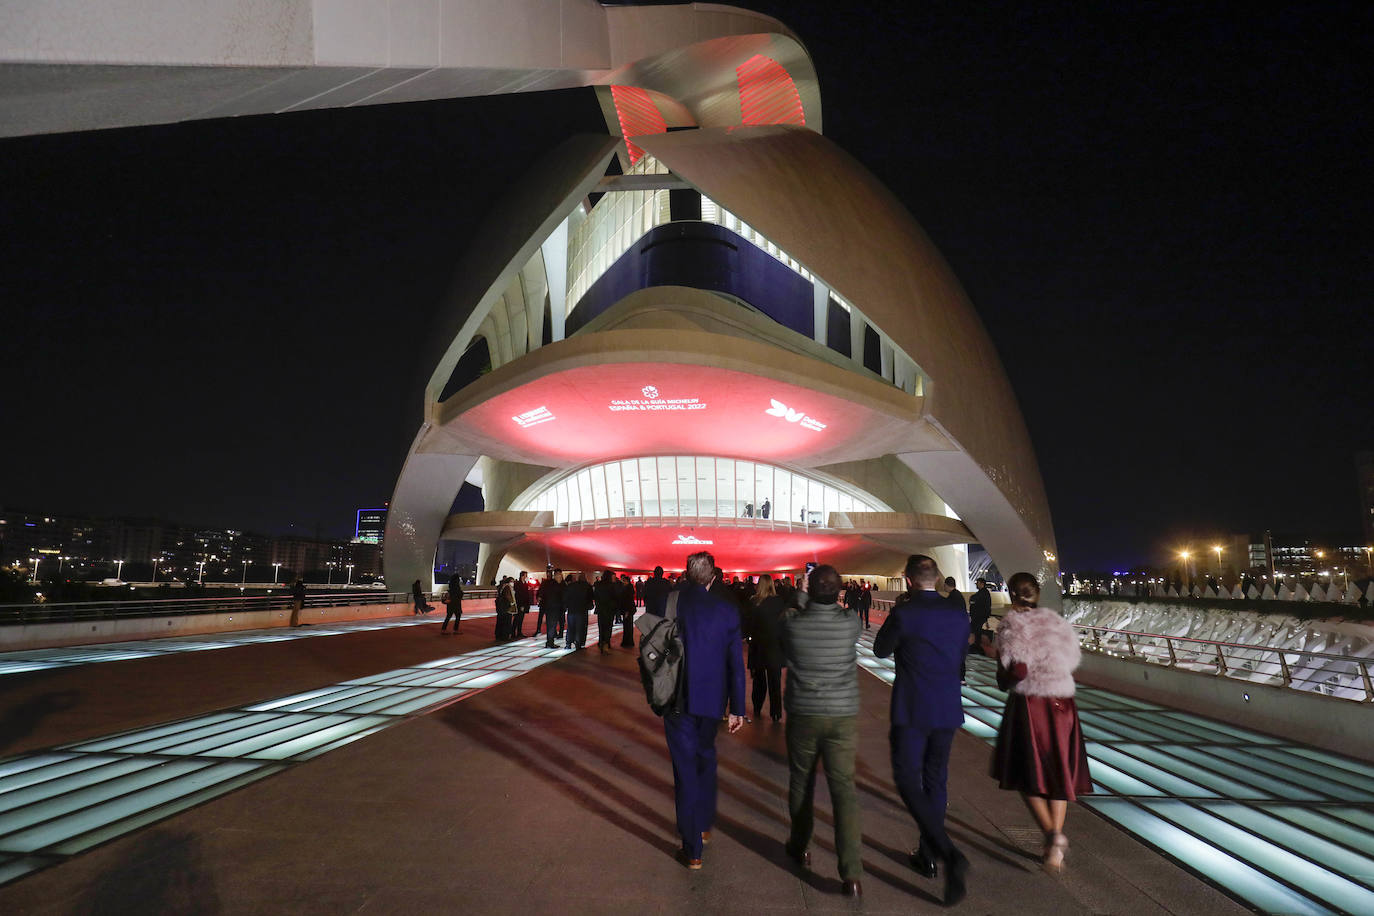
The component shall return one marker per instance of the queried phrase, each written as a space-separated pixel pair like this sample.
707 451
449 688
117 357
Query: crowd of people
811 630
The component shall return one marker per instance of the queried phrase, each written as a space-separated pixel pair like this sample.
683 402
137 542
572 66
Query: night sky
1156 211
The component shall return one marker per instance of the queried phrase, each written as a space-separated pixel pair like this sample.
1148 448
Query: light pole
242 584
329 566
119 570
276 568
155 570
35 561
200 574
350 573
59 565
1218 552
1184 555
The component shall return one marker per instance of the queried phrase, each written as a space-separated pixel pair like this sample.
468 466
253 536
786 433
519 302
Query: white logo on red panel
782 411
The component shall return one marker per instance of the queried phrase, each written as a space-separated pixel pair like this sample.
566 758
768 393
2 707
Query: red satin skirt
1040 748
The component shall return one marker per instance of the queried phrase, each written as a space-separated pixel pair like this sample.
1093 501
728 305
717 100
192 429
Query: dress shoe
706 838
852 889
801 857
685 858
956 870
1056 844
924 863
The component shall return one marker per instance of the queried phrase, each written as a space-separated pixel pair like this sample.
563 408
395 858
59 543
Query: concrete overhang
621 393
72 65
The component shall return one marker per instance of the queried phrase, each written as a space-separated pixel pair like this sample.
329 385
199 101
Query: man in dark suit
551 608
656 593
928 633
713 662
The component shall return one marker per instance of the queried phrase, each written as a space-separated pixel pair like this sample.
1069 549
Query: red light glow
746 550
598 413
638 115
767 94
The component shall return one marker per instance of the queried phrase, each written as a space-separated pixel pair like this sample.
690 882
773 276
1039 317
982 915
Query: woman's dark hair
1025 587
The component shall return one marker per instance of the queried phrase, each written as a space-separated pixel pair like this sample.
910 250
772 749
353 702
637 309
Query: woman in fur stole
1040 751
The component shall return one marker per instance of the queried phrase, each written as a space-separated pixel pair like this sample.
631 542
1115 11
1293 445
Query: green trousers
833 740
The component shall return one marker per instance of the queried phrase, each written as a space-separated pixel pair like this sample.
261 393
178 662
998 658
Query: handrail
69 611
1345 677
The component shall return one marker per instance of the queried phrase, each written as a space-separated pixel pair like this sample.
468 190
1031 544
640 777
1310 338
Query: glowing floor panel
43 659
1283 828
59 802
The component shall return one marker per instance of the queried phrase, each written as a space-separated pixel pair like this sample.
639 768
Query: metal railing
1345 677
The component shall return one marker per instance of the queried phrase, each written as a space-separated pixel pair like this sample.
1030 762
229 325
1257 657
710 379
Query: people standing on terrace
1040 751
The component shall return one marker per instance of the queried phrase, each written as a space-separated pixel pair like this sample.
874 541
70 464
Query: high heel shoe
1056 844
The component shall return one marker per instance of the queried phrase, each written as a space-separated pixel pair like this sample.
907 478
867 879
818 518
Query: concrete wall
1343 726
89 632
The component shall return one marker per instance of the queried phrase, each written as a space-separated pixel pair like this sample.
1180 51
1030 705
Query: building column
555 251
820 310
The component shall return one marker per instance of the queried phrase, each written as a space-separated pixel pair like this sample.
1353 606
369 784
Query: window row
694 487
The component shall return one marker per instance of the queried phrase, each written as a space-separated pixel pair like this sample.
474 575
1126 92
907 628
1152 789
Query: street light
119 570
200 575
1218 550
35 561
329 566
246 564
155 570
350 573
276 568
1184 555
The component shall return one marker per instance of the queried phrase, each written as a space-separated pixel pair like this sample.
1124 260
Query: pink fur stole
1046 644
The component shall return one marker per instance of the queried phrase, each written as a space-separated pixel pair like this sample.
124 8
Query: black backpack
661 652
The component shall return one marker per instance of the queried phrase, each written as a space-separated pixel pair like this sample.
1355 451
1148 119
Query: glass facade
697 487
616 222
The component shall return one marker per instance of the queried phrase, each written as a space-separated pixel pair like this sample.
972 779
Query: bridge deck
390 770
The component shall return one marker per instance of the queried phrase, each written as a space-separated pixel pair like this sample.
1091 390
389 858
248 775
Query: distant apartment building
370 526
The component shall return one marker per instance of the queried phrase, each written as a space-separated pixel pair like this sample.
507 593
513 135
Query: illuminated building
692 305
370 527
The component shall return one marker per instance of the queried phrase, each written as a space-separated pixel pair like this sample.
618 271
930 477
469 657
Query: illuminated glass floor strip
1284 828
62 801
43 659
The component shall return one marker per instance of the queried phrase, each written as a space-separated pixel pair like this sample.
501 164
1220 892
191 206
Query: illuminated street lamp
200 575
35 561
276 568
1184 555
329 565
350 573
155 559
246 564
59 565
119 570
1218 552
1369 559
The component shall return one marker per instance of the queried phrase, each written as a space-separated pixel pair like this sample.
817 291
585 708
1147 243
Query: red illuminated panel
767 94
638 115
737 550
597 413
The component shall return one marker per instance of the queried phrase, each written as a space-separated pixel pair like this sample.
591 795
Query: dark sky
1157 212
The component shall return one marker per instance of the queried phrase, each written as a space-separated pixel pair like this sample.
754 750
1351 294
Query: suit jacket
656 595
929 634
714 654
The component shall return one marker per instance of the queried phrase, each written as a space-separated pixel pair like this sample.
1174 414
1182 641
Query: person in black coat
765 648
626 595
606 596
454 600
656 592
577 599
523 599
551 608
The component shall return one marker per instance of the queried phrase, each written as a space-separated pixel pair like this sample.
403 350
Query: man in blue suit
929 634
713 662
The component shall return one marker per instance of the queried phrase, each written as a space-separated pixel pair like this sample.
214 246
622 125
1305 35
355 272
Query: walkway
549 791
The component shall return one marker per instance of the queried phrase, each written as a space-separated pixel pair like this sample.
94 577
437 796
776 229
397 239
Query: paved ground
550 792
